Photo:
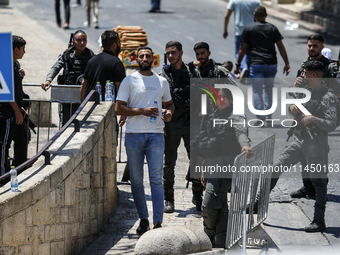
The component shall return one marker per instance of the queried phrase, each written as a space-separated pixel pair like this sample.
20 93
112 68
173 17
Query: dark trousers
67 10
21 140
174 132
215 210
155 4
67 111
8 130
315 152
305 178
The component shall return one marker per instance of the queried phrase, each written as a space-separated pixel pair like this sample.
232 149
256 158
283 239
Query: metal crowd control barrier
59 94
44 150
247 180
65 94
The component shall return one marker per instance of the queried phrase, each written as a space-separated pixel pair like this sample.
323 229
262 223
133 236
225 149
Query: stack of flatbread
131 37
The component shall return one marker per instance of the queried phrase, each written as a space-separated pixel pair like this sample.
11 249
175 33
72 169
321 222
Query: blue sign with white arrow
6 68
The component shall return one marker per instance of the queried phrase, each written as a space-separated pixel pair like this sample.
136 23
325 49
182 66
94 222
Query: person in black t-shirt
104 66
261 38
12 113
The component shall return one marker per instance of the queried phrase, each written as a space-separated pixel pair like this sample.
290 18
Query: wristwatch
237 64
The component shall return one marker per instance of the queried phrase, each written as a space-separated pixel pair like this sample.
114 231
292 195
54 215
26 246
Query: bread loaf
132 37
132 28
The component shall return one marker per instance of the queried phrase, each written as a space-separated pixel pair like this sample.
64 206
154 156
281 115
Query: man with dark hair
23 135
104 66
208 68
323 109
73 61
229 66
315 44
261 38
144 133
178 76
12 113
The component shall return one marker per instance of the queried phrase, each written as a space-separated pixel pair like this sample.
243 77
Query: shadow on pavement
333 198
335 231
192 211
282 227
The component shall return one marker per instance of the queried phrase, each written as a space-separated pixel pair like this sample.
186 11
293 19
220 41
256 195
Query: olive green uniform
323 105
219 145
329 71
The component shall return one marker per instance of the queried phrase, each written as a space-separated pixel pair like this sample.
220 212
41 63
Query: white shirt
140 91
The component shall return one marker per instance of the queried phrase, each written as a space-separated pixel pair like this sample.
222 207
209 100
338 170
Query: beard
117 50
313 54
145 68
204 61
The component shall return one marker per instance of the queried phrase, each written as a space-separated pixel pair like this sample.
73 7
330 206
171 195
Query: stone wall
59 207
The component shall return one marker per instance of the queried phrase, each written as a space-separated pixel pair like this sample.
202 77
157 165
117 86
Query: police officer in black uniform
74 61
208 67
178 75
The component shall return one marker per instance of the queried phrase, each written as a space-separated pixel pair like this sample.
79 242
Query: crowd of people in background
94 4
90 4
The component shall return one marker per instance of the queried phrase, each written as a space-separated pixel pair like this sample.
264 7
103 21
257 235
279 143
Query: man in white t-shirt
137 94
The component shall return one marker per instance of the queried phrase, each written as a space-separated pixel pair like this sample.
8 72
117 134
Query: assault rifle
309 129
70 44
336 73
194 151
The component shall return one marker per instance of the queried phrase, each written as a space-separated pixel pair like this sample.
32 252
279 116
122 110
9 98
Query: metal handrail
52 85
44 151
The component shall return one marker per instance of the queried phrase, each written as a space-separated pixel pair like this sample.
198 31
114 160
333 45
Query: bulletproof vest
314 104
224 135
325 61
75 65
212 70
179 81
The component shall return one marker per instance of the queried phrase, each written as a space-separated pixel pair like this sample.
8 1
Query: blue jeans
246 59
155 4
152 146
262 77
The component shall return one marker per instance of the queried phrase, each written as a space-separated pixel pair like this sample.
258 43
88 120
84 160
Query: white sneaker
96 26
75 5
86 24
244 76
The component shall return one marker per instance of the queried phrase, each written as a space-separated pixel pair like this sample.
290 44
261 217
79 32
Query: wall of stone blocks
59 207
